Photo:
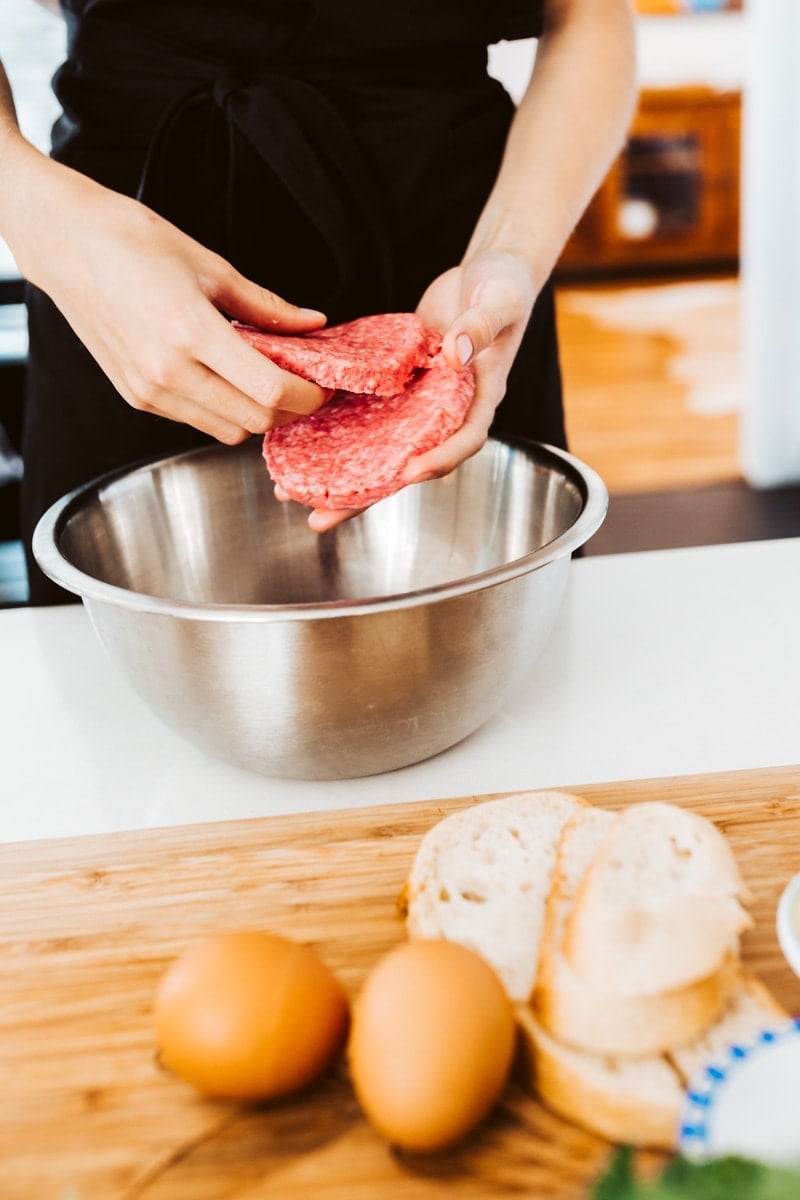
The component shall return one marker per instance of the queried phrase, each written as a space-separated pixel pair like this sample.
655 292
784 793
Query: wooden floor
652 378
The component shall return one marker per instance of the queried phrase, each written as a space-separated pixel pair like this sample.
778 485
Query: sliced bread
481 877
659 908
640 1100
590 1017
635 1100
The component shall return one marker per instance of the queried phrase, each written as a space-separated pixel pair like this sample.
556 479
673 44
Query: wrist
34 210
512 231
19 185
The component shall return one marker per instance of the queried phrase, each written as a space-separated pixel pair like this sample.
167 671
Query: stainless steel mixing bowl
319 657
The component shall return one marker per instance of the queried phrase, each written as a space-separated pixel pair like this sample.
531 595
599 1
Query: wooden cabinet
671 200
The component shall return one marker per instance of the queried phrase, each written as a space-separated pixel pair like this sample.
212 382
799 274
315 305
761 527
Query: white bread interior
616 932
638 1101
659 908
481 878
589 1016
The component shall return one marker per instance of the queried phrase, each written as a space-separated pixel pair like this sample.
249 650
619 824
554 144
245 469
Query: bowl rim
788 938
45 545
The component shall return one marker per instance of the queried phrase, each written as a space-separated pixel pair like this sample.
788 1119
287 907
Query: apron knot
271 153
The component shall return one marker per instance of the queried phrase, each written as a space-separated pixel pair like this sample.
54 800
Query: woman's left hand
481 308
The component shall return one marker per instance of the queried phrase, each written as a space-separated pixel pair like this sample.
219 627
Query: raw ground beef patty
352 451
372 354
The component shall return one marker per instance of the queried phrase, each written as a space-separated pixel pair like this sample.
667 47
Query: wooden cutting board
87 925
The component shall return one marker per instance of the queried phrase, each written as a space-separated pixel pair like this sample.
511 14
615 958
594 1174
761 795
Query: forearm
8 114
16 158
38 198
19 167
569 127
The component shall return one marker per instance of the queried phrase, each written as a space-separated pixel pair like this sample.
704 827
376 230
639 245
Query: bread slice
591 1017
660 906
638 1101
481 877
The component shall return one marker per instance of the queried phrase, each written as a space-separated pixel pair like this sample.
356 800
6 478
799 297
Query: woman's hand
147 302
481 308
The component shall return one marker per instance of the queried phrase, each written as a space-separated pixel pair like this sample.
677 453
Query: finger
180 408
215 395
471 333
199 397
467 440
321 520
281 417
230 357
497 306
448 455
256 305
441 302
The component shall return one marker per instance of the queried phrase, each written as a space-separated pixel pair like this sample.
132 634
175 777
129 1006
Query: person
287 163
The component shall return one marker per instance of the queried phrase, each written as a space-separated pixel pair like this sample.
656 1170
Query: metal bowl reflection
362 650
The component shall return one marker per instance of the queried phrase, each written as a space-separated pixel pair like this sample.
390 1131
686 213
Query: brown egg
431 1044
249 1016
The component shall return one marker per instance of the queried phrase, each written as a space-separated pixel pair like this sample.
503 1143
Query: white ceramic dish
747 1102
788 923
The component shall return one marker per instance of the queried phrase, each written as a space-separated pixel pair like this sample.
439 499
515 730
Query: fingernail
464 348
312 312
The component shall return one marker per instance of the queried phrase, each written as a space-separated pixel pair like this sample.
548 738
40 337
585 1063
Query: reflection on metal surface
367 648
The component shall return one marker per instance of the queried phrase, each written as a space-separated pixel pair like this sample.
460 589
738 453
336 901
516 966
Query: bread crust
641 1108
638 1101
481 877
630 1026
620 939
506 877
593 1018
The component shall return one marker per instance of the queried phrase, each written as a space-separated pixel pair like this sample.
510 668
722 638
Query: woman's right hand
147 302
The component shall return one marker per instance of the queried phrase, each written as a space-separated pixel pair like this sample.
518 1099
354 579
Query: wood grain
87 926
652 402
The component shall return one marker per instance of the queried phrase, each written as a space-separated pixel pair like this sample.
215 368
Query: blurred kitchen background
678 294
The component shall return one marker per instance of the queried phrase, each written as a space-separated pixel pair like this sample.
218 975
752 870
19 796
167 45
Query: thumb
255 305
495 307
471 333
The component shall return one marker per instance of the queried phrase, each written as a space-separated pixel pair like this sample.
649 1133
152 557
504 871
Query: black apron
338 152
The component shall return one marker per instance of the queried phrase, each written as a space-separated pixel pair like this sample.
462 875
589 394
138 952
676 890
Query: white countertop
662 663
